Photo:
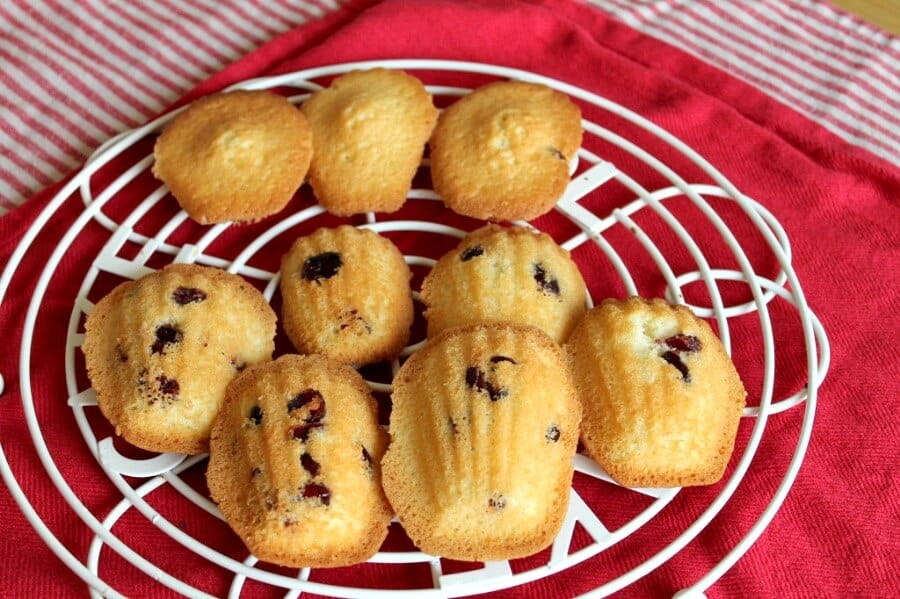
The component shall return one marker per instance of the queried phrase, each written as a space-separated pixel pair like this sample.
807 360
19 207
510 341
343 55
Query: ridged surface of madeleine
483 430
505 274
346 295
662 399
294 463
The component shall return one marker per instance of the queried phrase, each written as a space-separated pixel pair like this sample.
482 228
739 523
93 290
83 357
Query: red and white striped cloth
72 74
835 69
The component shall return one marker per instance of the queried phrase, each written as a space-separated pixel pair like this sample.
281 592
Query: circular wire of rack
164 469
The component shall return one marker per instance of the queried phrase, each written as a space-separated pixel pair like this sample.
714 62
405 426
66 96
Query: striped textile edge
831 67
73 74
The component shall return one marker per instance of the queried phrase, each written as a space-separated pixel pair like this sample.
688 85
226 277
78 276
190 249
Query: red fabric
836 531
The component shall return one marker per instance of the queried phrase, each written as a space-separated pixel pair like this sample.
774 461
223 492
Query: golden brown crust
503 151
294 463
346 295
234 156
505 274
160 351
662 400
369 129
483 430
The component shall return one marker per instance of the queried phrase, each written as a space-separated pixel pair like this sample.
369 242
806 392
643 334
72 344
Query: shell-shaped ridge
483 428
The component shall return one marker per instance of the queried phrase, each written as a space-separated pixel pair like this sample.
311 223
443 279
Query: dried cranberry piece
311 401
495 393
545 285
256 415
297 402
552 433
302 432
167 385
316 412
303 398
685 343
675 360
313 490
351 317
310 465
498 359
556 153
165 335
471 252
476 379
188 295
169 334
322 266
348 317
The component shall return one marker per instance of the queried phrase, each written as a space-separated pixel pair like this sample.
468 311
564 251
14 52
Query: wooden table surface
884 13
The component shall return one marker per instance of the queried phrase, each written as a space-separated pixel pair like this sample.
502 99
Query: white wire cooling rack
591 174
